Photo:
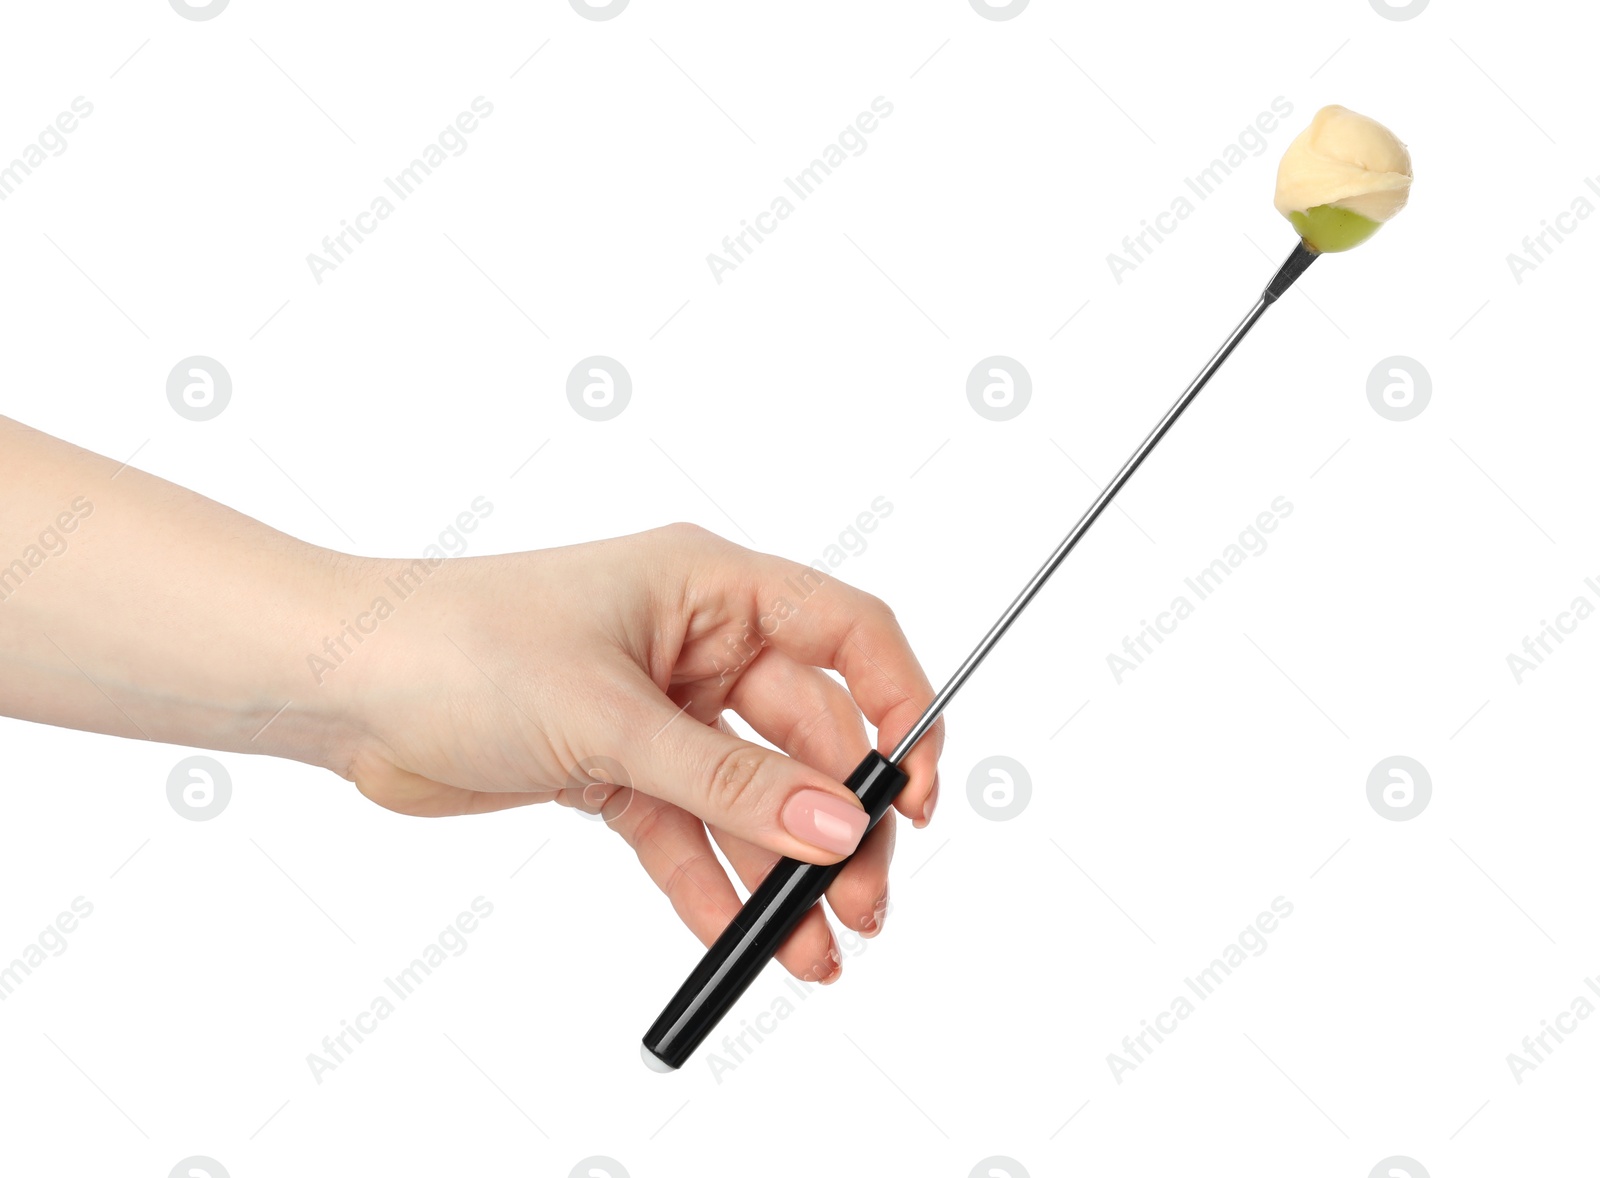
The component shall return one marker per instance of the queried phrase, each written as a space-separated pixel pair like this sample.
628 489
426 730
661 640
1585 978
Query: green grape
1329 229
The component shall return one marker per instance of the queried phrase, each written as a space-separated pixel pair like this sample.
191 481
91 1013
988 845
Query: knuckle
617 805
685 533
683 874
873 619
643 831
808 725
879 608
733 779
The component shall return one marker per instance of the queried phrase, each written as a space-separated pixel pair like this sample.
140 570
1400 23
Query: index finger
822 621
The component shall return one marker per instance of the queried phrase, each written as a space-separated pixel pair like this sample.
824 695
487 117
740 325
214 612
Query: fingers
860 896
810 952
802 711
674 851
826 623
808 715
672 846
752 792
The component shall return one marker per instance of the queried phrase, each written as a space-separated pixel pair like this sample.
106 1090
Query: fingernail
825 821
874 923
833 965
928 806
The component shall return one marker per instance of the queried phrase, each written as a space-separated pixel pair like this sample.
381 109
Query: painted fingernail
825 821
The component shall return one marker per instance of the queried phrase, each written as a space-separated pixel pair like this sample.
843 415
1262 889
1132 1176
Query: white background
827 370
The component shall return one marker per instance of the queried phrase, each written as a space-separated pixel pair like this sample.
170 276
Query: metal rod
1292 269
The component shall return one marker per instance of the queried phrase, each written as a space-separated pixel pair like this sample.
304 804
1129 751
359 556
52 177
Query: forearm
133 607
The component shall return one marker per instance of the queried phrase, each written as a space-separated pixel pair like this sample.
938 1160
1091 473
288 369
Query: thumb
738 787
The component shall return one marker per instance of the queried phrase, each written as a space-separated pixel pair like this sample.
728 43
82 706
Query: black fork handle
761 926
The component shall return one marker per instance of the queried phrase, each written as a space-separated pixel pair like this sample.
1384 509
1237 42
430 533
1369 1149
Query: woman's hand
597 676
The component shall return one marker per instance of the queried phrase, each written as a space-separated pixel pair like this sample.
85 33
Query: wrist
318 667
372 635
